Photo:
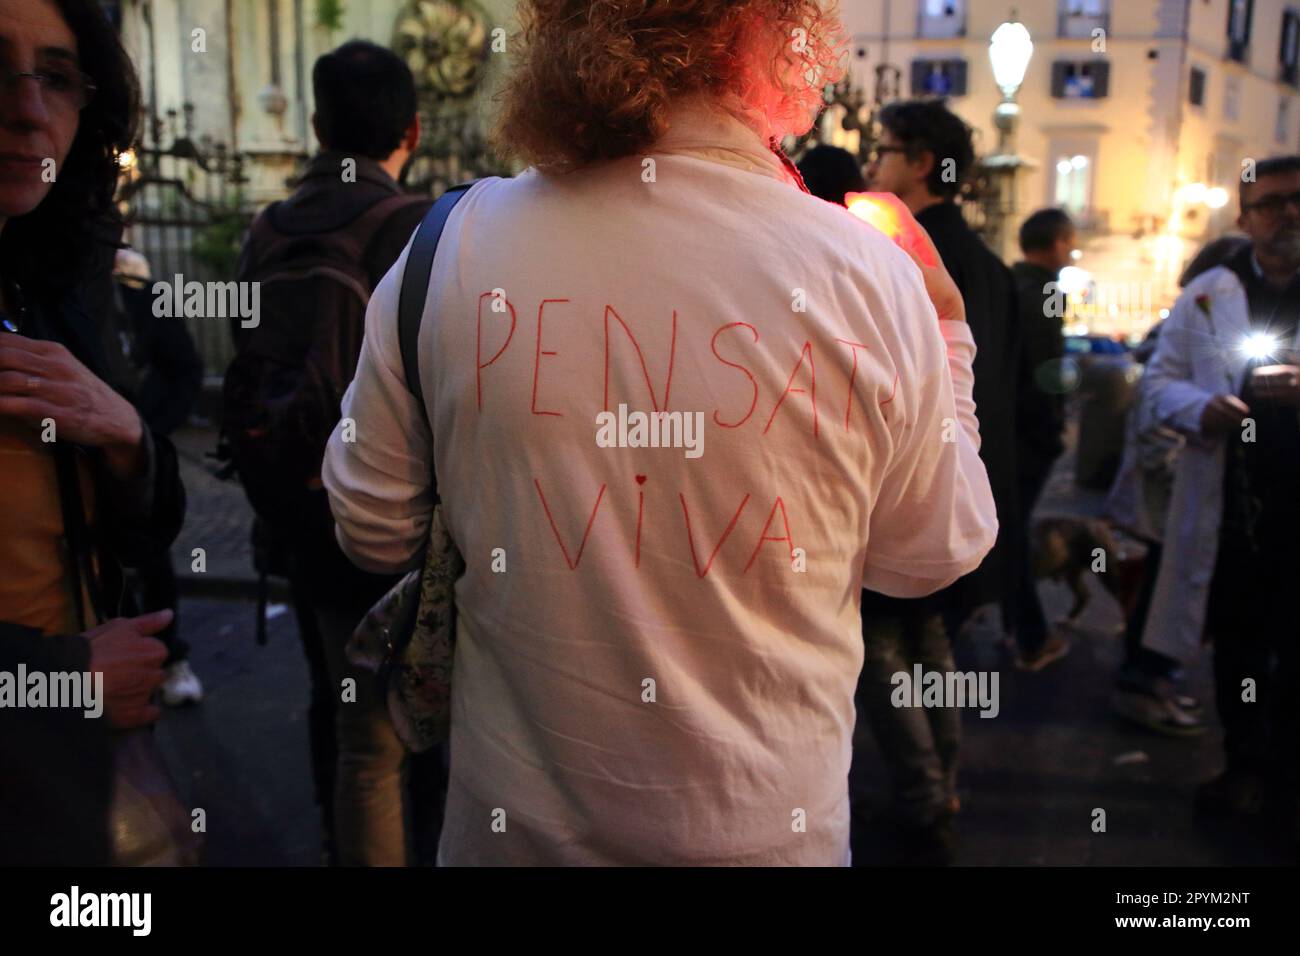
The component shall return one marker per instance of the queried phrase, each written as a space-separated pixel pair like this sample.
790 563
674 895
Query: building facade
243 67
1138 116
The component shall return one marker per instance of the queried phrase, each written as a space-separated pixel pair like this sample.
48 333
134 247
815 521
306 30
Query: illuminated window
1073 191
938 77
1078 18
943 18
1083 80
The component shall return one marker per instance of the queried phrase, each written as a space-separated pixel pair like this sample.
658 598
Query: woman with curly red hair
681 412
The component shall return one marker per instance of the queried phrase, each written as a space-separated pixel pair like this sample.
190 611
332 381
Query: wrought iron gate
187 214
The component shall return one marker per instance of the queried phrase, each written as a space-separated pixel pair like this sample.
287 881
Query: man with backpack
317 255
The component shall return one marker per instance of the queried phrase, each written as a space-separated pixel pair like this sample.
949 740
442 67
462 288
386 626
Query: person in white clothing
1225 374
681 413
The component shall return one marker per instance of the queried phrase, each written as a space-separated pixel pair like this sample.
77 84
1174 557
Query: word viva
208 300
651 430
745 523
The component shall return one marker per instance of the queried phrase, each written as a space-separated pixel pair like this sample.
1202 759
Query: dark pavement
1030 782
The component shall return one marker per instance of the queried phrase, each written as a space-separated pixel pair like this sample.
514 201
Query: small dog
1066 548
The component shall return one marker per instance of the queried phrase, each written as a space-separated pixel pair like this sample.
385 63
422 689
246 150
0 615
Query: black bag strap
415 286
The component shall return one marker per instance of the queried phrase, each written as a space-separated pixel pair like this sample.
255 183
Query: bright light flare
1074 281
875 212
1259 345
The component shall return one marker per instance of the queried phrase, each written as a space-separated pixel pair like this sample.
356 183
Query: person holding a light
1225 375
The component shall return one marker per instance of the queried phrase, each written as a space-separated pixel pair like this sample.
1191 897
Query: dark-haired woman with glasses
86 489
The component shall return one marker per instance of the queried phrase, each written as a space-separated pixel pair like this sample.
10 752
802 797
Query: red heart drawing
640 479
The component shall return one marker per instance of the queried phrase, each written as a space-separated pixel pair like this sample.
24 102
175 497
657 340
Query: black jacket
56 781
1041 414
323 203
156 355
988 291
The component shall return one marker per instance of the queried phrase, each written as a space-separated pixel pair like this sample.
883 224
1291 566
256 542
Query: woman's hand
40 380
131 659
891 216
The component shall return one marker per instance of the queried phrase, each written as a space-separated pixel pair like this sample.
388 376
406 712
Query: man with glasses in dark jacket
923 157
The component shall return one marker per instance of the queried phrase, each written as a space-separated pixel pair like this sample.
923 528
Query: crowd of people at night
661 646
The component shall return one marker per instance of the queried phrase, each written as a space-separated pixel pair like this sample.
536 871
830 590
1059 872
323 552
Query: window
1078 18
1240 15
1196 88
943 18
1073 190
938 77
1081 80
1232 98
1281 132
1289 54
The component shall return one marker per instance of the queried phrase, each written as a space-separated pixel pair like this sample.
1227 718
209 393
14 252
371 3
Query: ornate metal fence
187 214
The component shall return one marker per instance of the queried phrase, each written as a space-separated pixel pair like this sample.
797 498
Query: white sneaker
181 685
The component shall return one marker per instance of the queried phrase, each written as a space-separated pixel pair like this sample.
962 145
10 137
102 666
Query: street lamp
1010 50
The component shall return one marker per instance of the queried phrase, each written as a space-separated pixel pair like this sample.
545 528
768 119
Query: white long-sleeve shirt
657 652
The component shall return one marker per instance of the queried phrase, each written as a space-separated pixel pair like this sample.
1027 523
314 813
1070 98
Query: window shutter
1059 73
958 77
920 77
1100 78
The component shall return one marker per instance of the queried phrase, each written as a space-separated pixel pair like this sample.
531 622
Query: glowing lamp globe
1009 52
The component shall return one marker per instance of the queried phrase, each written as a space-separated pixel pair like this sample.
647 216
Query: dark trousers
1022 609
1142 663
360 800
1254 622
919 745
321 711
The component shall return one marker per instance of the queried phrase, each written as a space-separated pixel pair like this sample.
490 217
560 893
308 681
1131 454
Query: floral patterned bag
409 640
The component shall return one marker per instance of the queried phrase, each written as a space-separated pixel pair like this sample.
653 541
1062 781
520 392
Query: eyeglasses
879 151
70 90
1271 206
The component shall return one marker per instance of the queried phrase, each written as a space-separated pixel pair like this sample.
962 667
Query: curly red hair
594 79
